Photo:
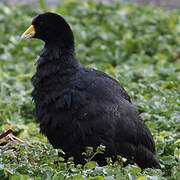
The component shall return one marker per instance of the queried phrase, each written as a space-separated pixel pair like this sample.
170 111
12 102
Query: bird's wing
105 103
131 127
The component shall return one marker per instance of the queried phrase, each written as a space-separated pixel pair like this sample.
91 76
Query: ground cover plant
138 46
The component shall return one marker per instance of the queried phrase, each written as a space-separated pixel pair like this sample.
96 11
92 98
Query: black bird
78 106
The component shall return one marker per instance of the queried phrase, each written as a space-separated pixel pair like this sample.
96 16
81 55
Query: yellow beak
29 33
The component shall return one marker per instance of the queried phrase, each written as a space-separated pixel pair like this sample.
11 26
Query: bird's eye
41 23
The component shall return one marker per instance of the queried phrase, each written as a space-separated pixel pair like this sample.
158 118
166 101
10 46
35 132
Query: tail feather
146 159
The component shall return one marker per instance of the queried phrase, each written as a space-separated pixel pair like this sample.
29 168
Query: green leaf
90 165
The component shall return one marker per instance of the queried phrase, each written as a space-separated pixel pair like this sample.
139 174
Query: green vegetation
138 46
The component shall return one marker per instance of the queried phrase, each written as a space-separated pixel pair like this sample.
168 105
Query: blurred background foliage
138 46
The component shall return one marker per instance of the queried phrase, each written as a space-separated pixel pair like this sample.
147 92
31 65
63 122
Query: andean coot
78 106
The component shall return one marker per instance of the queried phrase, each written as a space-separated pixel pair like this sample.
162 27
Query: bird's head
52 29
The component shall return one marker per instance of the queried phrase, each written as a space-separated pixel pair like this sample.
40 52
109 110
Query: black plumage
78 106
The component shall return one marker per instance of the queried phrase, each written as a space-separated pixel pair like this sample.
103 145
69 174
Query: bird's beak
29 33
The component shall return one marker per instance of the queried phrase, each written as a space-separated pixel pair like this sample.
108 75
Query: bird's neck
55 60
61 55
